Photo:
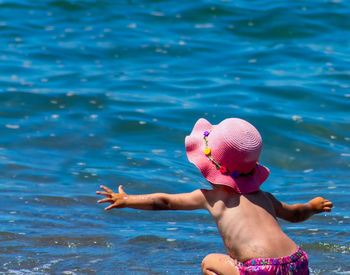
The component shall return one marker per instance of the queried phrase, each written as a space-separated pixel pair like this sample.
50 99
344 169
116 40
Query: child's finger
105 200
120 189
110 207
106 189
102 193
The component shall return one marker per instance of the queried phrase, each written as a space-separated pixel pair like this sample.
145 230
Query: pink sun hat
228 154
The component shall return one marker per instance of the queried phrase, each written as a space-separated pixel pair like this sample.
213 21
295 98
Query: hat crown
235 144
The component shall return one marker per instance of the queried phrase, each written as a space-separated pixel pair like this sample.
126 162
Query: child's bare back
247 224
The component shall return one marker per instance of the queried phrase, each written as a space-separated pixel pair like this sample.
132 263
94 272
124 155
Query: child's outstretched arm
301 211
156 201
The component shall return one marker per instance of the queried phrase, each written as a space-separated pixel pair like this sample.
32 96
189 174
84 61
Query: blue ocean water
104 92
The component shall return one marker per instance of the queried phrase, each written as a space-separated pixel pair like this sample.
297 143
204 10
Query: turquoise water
105 92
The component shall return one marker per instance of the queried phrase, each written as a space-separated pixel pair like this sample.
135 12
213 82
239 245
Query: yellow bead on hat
207 151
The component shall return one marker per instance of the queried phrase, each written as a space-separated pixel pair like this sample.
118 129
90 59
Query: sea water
104 92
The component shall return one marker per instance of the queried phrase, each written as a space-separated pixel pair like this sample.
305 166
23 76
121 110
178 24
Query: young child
227 155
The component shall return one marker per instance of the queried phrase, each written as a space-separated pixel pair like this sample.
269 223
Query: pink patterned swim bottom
296 263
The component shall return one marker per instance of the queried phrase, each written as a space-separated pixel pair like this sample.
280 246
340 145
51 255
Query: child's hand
117 200
319 205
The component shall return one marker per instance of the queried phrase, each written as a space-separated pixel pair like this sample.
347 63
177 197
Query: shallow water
105 93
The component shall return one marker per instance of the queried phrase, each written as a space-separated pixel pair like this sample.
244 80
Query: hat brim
195 146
